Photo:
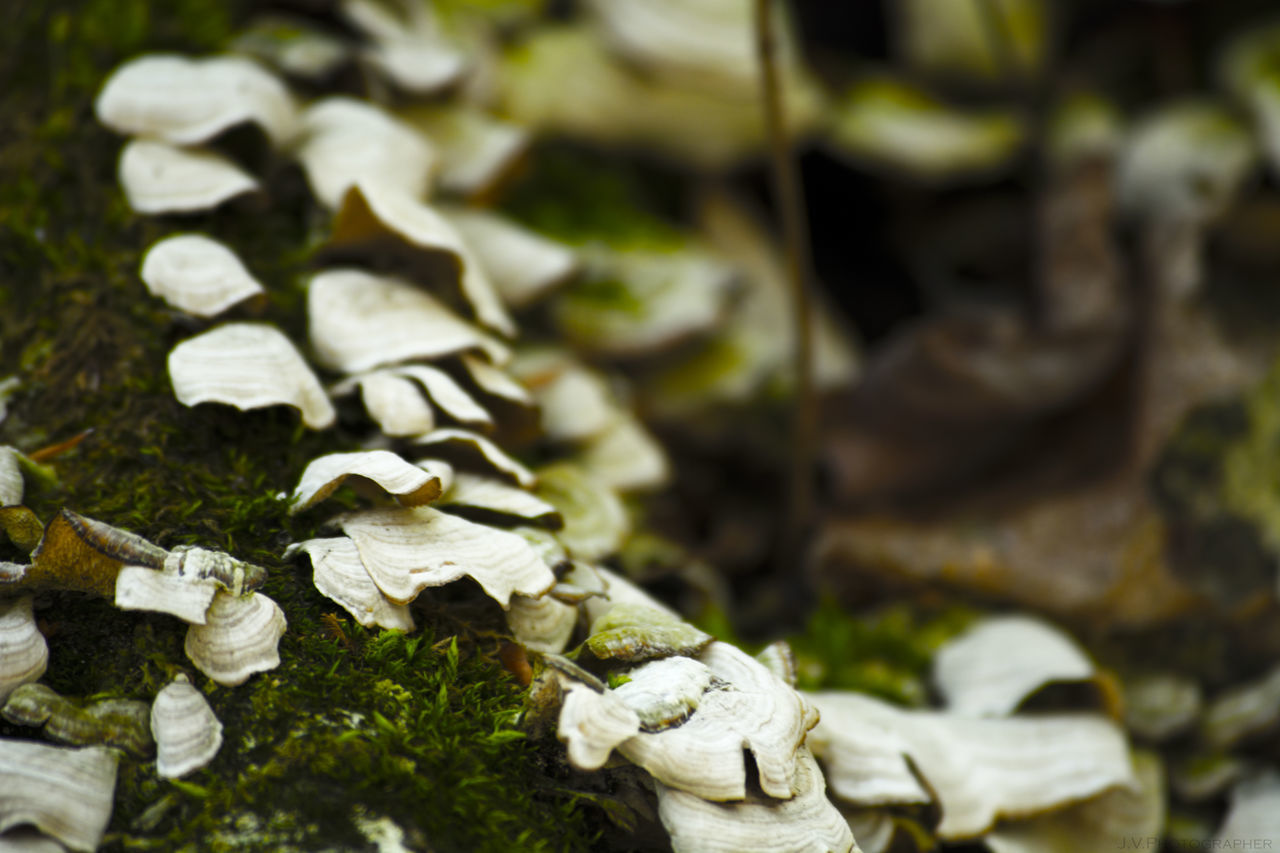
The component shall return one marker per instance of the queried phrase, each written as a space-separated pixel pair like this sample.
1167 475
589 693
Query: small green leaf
384 724
190 788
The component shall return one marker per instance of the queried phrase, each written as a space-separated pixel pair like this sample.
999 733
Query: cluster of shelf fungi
736 756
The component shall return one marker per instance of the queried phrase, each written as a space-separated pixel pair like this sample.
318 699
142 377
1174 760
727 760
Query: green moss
1217 482
384 724
572 196
1251 466
404 727
886 653
590 296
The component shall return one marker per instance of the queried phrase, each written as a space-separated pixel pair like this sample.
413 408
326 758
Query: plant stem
788 195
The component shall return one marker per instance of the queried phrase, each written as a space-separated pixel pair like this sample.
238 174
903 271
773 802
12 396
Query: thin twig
788 195
1033 96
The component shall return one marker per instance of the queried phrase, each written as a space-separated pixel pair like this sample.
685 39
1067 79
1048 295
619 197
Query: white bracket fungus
778 658
395 403
65 793
293 46
522 265
1254 814
495 382
1093 824
888 122
477 151
865 758
196 563
493 497
249 366
411 52
617 590
447 394
752 710
393 396
409 484
673 296
663 693
17 522
709 44
1243 710
1158 706
979 769
990 669
78 553
592 723
186 101
187 733
24 654
805 823
373 213
144 588
1185 161
341 576
541 624
359 321
580 582
11 482
408 550
953 41
239 638
439 470
595 521
467 445
545 544
574 401
159 178
563 79
346 142
197 274
626 457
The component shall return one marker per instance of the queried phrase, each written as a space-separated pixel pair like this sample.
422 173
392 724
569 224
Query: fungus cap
65 793
347 142
465 446
409 484
806 821
144 588
340 575
24 654
249 366
523 266
188 734
979 769
753 710
990 669
407 550
238 639
493 497
197 274
542 624
359 321
373 214
160 178
186 101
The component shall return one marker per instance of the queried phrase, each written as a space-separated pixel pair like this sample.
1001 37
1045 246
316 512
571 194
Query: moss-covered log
351 727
